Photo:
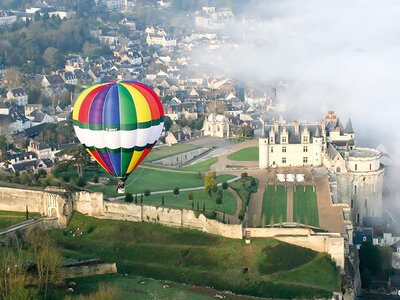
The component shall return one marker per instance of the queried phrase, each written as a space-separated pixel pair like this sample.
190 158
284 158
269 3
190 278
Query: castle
356 174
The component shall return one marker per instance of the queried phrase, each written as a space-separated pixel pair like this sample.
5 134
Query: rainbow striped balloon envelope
118 122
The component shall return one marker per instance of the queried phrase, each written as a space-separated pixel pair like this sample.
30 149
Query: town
298 205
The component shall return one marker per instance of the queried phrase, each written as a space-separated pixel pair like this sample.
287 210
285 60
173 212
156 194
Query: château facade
356 172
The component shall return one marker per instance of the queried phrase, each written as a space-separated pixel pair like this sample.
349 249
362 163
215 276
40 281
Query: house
7 18
52 81
70 78
361 236
41 149
39 117
216 125
4 109
23 156
29 108
174 137
18 96
32 165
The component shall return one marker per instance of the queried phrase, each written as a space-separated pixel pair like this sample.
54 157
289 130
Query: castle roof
294 138
349 127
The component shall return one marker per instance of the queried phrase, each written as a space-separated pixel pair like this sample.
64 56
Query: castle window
338 169
358 218
370 166
272 139
355 190
284 139
272 149
366 203
352 203
355 167
284 160
284 149
305 139
305 160
363 178
209 128
305 149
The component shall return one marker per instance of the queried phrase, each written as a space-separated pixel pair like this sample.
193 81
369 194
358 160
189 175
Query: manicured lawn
8 218
228 205
245 154
305 207
194 257
156 180
274 203
158 153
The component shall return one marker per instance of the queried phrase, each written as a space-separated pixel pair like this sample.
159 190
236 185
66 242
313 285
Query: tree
272 221
136 199
263 220
81 182
255 220
53 58
176 191
162 200
243 175
96 178
210 185
147 193
225 185
216 107
190 195
280 221
167 123
128 198
197 206
369 258
219 196
141 198
48 264
204 206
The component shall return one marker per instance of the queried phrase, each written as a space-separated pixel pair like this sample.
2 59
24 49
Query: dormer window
305 139
284 139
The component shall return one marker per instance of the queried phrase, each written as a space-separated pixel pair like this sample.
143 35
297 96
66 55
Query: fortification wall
330 243
12 199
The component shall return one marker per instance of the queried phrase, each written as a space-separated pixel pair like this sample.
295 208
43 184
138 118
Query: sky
334 55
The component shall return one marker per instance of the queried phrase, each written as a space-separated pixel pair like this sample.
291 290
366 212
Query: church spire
349 127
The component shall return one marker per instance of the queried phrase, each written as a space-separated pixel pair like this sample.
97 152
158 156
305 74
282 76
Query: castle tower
263 148
317 141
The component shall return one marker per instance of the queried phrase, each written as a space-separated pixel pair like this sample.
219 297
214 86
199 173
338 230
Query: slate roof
294 138
18 92
34 130
349 127
358 238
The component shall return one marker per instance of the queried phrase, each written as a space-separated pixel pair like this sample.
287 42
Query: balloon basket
121 188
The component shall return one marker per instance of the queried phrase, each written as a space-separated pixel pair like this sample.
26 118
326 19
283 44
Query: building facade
356 172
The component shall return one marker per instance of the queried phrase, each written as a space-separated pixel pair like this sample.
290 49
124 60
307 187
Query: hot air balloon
118 122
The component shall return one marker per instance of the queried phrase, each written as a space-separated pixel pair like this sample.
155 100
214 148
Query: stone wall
53 202
181 158
90 270
162 215
12 199
331 243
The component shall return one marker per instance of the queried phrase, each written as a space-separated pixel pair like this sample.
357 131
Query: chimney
276 126
296 127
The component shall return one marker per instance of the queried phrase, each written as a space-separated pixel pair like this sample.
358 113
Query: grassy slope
163 152
274 203
305 207
8 218
194 257
228 201
245 154
157 180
